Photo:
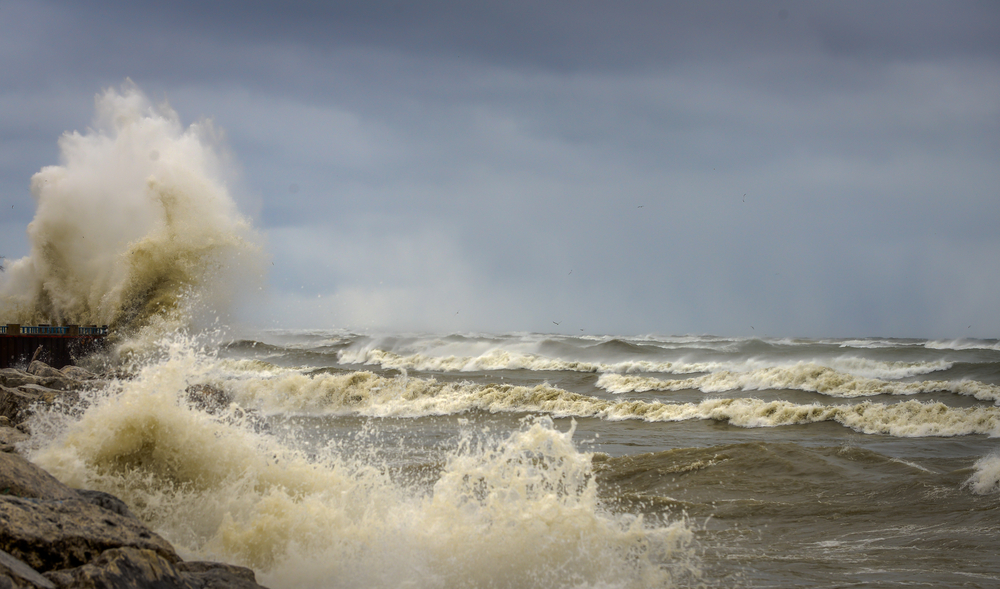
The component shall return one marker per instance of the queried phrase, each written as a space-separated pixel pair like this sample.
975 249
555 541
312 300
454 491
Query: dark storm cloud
573 36
519 159
582 34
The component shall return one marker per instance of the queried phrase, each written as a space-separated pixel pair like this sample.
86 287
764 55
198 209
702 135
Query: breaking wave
804 377
500 358
986 479
500 510
368 394
136 223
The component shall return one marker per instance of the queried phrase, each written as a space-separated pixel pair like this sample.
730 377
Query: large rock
20 478
75 372
16 404
39 368
215 575
59 383
51 534
105 500
51 396
15 573
123 568
13 378
208 398
126 568
10 436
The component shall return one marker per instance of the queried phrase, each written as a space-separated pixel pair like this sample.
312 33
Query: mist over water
136 216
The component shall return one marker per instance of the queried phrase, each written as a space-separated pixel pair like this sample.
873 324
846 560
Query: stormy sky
812 169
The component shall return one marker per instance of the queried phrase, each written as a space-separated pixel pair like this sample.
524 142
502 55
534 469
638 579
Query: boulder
134 567
208 398
77 373
40 390
60 383
39 368
21 478
216 575
50 396
16 404
13 378
105 500
14 572
51 534
10 436
124 568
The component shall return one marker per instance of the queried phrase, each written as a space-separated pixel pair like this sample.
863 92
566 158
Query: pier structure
59 344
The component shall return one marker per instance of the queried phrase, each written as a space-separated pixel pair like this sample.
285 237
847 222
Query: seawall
60 345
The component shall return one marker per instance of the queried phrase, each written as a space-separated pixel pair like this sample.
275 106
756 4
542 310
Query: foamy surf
370 395
803 377
986 478
506 510
511 358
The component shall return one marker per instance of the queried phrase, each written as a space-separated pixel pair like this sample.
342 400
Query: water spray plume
135 221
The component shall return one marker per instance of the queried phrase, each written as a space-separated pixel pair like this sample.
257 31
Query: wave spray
136 216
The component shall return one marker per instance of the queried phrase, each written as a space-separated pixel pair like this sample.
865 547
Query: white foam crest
804 377
137 214
503 358
962 344
365 393
518 510
986 479
494 359
873 344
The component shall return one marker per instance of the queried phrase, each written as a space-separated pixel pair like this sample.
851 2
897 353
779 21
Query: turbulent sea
532 460
339 459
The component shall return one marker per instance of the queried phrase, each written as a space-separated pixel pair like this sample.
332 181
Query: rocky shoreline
56 537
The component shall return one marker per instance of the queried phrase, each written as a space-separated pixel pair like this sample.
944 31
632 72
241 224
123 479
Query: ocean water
331 458
539 460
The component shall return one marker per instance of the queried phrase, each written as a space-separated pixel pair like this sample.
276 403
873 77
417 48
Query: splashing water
503 510
135 219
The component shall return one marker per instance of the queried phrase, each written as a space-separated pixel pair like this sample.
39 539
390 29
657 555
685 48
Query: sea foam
504 510
801 376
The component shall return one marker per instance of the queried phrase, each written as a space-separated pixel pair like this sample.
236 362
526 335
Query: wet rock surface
53 536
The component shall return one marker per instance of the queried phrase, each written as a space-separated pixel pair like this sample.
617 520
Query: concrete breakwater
57 346
56 537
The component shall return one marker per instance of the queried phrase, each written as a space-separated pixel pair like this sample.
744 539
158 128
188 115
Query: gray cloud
518 163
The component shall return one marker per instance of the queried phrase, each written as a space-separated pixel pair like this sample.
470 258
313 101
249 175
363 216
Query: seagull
555 323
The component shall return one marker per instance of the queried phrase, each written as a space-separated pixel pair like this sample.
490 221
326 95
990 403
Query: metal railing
94 330
58 330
